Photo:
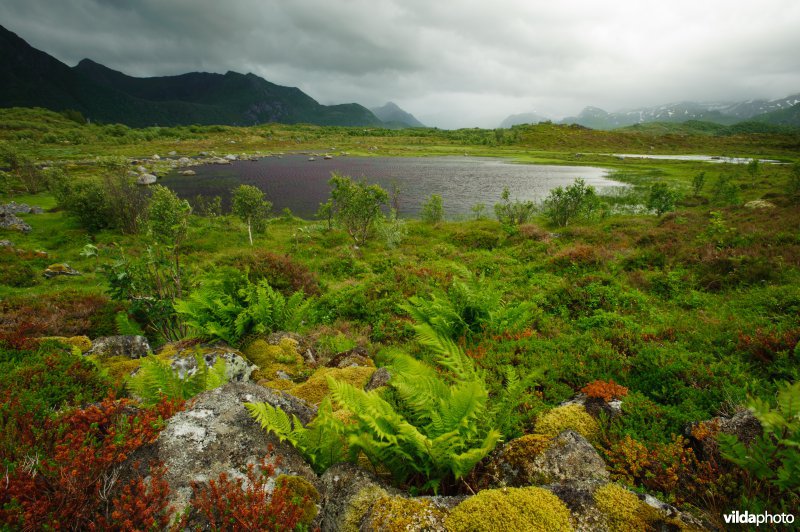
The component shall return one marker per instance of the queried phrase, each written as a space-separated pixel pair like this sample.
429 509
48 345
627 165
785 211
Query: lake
301 185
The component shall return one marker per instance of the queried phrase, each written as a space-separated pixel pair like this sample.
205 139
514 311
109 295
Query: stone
379 379
141 169
146 179
172 153
12 222
184 160
357 356
535 459
742 424
759 204
156 157
6 244
237 368
120 346
231 157
216 434
19 208
187 172
348 494
54 270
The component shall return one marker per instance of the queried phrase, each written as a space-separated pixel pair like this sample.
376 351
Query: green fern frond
275 420
156 378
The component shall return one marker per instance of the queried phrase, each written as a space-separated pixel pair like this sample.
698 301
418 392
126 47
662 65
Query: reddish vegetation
764 345
607 391
66 314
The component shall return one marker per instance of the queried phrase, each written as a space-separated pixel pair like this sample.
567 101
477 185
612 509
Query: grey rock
231 157
19 208
355 357
237 368
596 406
187 172
127 346
184 160
380 378
156 157
348 493
54 270
580 501
141 169
215 435
146 179
742 424
12 222
6 244
172 153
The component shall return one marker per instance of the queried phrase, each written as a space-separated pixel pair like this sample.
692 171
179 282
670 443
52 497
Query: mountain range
782 112
32 78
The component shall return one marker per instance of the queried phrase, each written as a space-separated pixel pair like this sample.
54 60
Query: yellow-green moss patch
301 492
566 417
510 510
623 509
397 514
81 342
271 359
359 505
315 388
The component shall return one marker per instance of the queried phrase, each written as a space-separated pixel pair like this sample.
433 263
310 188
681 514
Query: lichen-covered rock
184 361
120 346
302 490
146 179
54 270
217 434
12 222
357 356
304 347
272 358
348 493
624 510
536 459
579 498
401 514
379 379
596 406
571 416
529 509
743 424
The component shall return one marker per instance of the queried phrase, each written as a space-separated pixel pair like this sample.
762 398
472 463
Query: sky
454 63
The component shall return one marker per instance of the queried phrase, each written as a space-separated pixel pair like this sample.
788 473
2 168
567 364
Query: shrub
661 198
605 390
391 229
725 192
512 509
248 203
432 211
280 271
513 213
477 239
168 217
564 205
356 205
697 183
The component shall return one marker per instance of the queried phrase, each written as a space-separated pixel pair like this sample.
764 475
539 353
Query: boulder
146 179
54 270
173 153
156 157
742 424
6 244
187 172
759 204
216 434
535 459
12 222
184 160
120 346
19 208
357 356
403 513
348 494
380 378
231 157
237 368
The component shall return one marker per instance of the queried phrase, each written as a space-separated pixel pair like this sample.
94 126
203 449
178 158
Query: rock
348 494
380 378
401 513
231 157
184 160
595 405
173 153
237 369
535 459
12 222
743 424
19 208
141 169
6 244
304 345
215 435
759 204
156 157
357 356
54 270
146 179
120 346
187 172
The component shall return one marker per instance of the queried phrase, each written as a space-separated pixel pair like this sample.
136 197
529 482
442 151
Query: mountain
393 116
783 117
522 118
32 78
725 113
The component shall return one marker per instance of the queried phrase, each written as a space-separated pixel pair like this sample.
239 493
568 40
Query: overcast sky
457 63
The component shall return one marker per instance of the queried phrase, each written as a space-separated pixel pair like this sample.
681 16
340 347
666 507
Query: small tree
432 210
168 217
661 198
564 205
697 183
477 210
249 205
513 213
325 212
356 205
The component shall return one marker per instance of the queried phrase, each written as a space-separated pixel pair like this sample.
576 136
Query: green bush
357 206
513 212
565 205
432 211
661 198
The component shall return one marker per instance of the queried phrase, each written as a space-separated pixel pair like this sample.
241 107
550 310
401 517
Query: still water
301 185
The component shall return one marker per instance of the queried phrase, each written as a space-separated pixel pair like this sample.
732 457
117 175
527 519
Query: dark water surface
301 185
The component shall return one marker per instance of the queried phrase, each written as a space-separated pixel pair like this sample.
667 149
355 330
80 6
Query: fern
125 326
227 306
156 378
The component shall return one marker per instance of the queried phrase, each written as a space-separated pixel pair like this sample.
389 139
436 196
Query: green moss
316 387
358 506
623 509
81 342
398 514
566 417
119 368
509 510
271 359
301 490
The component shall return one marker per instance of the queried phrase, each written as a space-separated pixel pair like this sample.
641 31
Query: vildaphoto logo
746 518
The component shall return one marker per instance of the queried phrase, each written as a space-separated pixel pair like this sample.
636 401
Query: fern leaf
276 421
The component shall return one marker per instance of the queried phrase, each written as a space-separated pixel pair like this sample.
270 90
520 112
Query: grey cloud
464 63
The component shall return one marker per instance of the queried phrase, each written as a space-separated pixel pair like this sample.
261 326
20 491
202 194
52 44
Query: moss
529 509
277 384
271 359
566 417
397 514
119 367
316 387
522 450
81 342
300 489
358 506
623 509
